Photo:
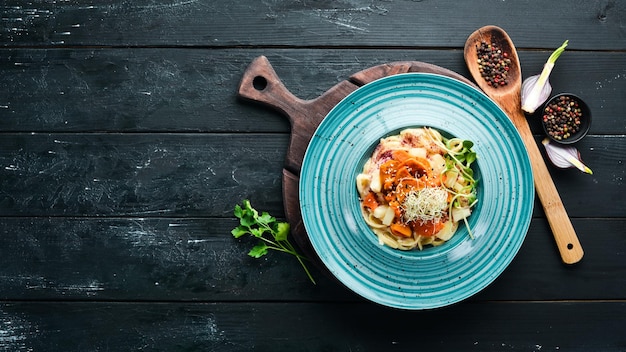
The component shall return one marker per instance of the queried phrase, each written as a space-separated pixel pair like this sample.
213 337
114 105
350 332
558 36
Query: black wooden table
124 148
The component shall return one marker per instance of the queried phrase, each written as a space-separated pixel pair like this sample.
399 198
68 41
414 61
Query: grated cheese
427 204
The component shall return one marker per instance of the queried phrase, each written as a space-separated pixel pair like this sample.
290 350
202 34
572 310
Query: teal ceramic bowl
433 277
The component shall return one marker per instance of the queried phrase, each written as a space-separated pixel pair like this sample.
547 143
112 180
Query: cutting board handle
261 83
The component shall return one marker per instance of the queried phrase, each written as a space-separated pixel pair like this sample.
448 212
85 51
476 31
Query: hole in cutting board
259 83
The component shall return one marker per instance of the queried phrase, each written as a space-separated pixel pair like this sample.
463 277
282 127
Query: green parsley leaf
265 218
282 230
257 232
239 231
238 211
246 219
259 250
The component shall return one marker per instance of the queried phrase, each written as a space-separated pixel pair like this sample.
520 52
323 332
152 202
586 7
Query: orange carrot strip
388 172
404 173
400 229
400 155
405 186
428 228
417 167
395 205
370 201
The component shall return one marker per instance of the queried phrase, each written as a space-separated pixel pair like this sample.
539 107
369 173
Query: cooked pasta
416 188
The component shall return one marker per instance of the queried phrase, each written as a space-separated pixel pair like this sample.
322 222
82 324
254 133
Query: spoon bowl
508 97
497 36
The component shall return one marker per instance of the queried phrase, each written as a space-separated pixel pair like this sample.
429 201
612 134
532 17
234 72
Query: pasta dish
416 188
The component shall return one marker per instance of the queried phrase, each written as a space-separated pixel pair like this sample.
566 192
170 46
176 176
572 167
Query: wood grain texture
306 327
138 174
596 25
194 90
124 147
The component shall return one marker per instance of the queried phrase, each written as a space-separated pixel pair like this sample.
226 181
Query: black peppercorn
493 64
562 117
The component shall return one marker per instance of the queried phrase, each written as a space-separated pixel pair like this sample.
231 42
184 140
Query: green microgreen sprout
271 233
460 156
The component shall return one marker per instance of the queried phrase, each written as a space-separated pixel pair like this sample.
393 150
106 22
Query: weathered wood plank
145 259
162 174
185 90
589 25
521 326
123 149
139 174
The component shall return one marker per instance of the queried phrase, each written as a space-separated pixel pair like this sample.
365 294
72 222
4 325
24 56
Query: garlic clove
564 156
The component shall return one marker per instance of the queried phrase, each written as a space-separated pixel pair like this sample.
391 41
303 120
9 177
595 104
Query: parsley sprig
271 233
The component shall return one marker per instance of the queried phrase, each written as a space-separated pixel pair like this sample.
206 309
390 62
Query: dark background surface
124 148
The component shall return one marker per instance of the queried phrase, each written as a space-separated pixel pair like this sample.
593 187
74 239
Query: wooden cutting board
261 84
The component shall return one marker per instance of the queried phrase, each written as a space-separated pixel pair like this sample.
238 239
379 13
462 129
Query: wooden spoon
508 97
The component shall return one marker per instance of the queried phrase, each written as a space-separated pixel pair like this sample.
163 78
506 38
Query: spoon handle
566 240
